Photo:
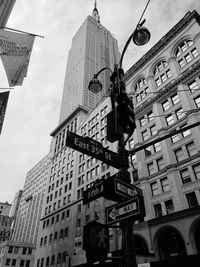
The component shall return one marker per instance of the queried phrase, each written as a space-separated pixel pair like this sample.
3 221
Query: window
8 262
55 236
22 263
145 135
196 170
140 83
164 184
148 151
160 163
150 116
13 262
47 261
185 176
169 206
175 99
50 238
180 113
175 138
197 101
66 230
191 149
158 210
186 52
157 147
179 154
10 250
52 259
150 167
192 199
61 234
185 133
193 86
170 120
143 121
161 72
154 188
153 130
165 105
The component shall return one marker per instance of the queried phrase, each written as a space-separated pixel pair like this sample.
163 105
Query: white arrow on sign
123 210
124 189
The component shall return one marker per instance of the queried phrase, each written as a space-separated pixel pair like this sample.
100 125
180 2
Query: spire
95 12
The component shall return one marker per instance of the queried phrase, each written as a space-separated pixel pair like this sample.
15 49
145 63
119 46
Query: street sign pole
127 226
128 244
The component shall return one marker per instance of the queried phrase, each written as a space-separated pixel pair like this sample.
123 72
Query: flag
3 104
15 52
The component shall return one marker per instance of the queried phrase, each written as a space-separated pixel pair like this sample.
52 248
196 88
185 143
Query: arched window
140 246
141 89
161 72
170 243
197 238
185 53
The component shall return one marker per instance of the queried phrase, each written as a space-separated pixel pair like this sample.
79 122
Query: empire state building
93 47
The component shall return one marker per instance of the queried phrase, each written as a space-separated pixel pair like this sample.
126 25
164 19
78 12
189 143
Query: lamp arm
105 68
124 50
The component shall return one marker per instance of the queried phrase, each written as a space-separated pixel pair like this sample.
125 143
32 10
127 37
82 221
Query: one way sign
132 209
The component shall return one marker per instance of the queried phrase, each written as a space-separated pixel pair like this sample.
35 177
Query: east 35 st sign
92 148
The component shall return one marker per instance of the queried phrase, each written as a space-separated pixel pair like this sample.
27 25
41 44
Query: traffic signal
95 239
114 131
125 113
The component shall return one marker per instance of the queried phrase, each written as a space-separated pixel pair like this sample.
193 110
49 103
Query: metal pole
127 229
129 251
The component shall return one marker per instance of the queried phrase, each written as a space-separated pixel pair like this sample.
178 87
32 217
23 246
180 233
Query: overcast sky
33 108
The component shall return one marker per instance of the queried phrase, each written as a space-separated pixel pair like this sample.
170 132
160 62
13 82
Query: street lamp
95 85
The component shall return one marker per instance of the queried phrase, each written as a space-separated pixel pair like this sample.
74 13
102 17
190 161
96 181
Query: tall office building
30 206
93 47
60 233
19 250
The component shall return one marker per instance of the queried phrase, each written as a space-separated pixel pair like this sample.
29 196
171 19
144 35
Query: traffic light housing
125 113
114 131
95 239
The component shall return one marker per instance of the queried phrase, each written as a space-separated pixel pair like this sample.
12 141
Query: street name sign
92 148
117 190
111 188
131 209
93 192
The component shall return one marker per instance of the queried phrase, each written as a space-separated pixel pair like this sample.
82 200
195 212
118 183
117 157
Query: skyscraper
60 235
93 47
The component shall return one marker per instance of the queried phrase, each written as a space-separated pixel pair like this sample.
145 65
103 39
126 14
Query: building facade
5 227
93 47
70 173
5 208
19 254
29 213
5 221
19 249
15 205
165 85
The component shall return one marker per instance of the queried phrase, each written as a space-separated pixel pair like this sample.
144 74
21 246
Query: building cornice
167 90
183 23
74 112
